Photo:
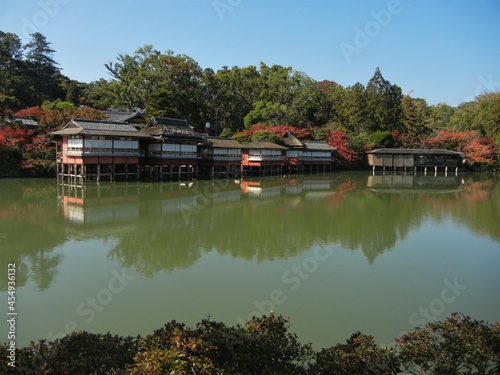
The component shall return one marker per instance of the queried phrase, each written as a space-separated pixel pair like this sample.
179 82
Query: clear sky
444 51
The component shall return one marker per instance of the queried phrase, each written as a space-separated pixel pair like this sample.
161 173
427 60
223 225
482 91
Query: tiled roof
173 129
98 127
263 145
105 125
220 142
122 115
318 145
29 123
408 151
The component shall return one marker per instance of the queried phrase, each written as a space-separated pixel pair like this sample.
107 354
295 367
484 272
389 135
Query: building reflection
165 226
414 183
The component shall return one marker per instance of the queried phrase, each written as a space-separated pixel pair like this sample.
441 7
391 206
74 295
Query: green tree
103 94
11 54
353 112
384 103
414 116
163 83
287 97
360 355
43 78
488 117
232 92
456 345
438 116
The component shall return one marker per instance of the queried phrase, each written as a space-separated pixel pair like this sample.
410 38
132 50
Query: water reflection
167 226
30 231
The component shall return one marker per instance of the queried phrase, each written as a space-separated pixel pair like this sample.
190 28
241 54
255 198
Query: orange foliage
477 149
32 112
279 130
340 140
56 118
14 137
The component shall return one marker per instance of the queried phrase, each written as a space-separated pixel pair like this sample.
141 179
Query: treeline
264 346
360 117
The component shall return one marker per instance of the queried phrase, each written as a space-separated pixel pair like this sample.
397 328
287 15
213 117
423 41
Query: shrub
381 139
456 345
360 355
78 353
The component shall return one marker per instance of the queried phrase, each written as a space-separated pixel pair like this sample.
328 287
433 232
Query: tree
438 116
232 93
57 118
384 103
35 113
381 139
163 83
353 114
360 355
487 119
414 116
479 151
286 97
456 345
43 78
104 94
347 155
14 137
11 54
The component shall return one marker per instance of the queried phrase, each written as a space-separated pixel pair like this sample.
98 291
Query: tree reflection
169 226
32 229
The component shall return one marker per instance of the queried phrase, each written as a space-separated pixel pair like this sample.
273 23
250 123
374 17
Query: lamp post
207 127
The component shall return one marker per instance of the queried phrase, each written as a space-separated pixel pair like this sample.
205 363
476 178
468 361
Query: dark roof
408 151
121 116
318 145
221 142
263 145
98 127
165 128
26 122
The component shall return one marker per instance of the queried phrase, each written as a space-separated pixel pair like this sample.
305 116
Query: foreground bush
456 345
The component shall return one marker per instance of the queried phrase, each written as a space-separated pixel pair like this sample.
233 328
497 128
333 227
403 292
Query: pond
337 253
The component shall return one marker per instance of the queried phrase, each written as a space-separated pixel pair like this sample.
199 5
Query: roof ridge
100 121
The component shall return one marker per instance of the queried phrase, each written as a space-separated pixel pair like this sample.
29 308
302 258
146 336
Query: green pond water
337 253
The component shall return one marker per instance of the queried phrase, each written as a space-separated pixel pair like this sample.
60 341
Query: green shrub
264 346
360 355
456 345
381 139
78 353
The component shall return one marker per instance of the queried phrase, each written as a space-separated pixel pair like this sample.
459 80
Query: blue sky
445 51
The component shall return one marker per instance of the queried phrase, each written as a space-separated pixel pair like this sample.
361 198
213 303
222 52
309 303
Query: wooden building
262 158
93 149
415 159
172 149
220 157
307 156
135 118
